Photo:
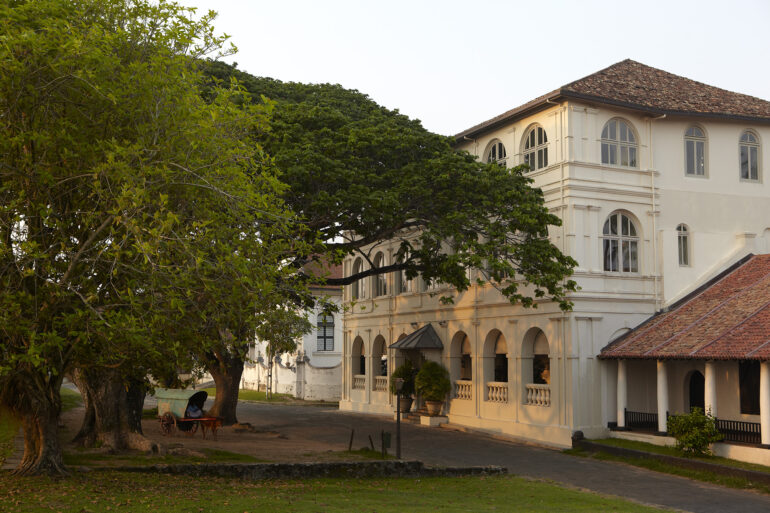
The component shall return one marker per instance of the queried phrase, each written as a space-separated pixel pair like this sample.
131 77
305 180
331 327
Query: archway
697 388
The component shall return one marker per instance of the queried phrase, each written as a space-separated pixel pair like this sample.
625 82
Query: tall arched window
695 152
621 244
358 289
619 146
749 147
683 242
496 153
466 371
380 280
536 148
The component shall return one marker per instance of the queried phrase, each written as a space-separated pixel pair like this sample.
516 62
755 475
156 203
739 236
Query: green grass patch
168 493
254 395
150 413
99 459
9 426
670 468
70 399
673 451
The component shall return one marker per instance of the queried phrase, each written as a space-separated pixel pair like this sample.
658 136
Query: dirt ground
248 438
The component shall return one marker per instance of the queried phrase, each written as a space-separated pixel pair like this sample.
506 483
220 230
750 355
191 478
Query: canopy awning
728 318
424 338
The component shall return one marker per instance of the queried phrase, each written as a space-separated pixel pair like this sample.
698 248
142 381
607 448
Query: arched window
465 360
695 152
358 289
501 360
683 242
749 147
619 146
541 361
496 153
621 244
380 280
536 148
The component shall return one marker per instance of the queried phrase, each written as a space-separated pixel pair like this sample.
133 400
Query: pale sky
453 64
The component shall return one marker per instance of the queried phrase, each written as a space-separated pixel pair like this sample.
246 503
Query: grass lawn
107 491
8 428
254 395
673 451
668 468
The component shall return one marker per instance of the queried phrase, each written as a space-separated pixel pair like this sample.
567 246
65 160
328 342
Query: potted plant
406 372
433 384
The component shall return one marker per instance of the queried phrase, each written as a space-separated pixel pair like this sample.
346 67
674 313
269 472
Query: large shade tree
139 223
362 175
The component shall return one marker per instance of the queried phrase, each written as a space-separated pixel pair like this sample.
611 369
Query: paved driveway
449 447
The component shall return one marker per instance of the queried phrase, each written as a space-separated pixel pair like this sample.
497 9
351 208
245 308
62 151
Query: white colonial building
659 182
313 371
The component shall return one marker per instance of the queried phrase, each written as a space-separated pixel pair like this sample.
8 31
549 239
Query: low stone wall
257 471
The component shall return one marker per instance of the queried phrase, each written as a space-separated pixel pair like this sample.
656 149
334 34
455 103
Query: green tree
362 175
139 223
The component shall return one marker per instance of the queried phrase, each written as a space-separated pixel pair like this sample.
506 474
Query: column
662 396
764 402
622 399
710 399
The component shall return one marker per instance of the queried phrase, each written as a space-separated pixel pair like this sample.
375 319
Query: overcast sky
453 64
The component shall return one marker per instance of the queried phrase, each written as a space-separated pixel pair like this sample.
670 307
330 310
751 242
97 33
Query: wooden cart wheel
167 423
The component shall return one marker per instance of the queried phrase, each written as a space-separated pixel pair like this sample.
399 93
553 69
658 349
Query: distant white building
659 182
313 371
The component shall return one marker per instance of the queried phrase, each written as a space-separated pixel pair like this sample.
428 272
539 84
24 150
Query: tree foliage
362 175
139 223
694 432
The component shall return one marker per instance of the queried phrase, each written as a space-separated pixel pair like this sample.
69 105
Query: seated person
193 412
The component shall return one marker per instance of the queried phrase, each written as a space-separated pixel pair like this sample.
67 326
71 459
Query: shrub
694 432
432 382
406 372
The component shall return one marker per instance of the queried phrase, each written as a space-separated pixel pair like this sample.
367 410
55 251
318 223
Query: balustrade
497 392
538 395
359 381
380 383
463 389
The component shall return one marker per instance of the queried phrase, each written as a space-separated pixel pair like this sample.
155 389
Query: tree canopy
139 223
362 175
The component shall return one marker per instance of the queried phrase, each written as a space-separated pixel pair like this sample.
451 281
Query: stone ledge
256 471
427 420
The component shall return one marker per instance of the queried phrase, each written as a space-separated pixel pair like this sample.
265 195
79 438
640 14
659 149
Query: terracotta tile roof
633 85
728 319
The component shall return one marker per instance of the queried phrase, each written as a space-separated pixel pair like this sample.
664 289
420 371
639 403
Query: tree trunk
116 410
227 373
42 451
86 437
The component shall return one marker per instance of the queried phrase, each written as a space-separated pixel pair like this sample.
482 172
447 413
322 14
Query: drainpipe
656 277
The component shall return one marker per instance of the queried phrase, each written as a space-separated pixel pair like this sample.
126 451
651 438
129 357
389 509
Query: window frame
695 140
379 281
683 233
620 238
495 146
618 145
757 144
324 332
358 287
538 149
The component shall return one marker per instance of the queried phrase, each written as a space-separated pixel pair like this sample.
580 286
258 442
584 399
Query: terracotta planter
434 407
406 404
